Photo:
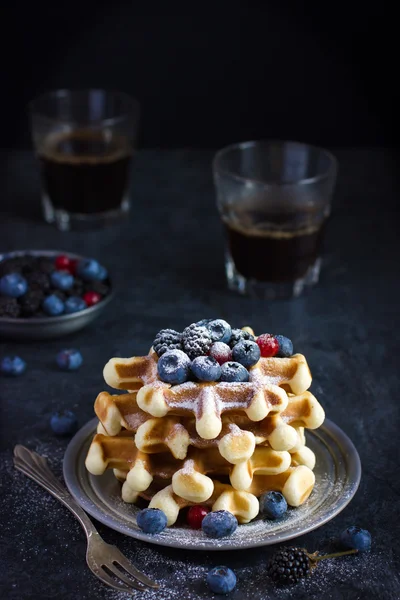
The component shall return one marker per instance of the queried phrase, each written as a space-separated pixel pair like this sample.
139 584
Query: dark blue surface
168 265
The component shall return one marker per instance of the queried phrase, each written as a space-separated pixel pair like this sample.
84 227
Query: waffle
261 396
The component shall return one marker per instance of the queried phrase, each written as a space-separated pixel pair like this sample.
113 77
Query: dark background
212 73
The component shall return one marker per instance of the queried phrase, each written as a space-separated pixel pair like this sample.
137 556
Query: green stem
335 555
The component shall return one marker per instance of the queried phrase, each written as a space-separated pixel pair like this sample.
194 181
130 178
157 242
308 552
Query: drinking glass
84 141
274 198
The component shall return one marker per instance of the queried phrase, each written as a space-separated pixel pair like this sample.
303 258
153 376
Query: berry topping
221 580
38 281
238 335
30 302
91 298
53 306
218 524
64 422
246 352
174 367
13 285
204 322
63 262
285 346
289 565
221 352
205 368
69 360
151 520
273 505
62 280
12 366
196 515
220 331
196 340
268 345
167 339
89 270
357 538
9 307
74 304
234 372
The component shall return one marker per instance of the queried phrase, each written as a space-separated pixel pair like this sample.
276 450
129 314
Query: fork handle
35 466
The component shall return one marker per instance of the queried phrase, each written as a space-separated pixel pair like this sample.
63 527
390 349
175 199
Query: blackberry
30 302
196 340
45 265
167 339
289 565
100 287
9 307
38 281
78 288
60 294
11 265
238 335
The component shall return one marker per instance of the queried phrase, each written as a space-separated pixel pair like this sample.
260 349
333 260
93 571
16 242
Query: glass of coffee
84 141
274 200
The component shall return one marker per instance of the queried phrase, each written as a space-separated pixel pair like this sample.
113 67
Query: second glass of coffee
84 141
274 199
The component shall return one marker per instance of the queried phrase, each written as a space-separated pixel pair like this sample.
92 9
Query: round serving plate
42 328
337 473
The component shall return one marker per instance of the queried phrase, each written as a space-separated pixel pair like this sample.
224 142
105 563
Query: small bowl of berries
48 294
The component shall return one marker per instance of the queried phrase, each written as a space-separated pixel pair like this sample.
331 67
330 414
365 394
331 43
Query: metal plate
42 328
337 472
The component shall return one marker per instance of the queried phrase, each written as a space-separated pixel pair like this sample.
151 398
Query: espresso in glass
85 171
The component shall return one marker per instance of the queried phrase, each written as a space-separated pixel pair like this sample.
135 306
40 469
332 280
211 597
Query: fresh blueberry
220 331
89 269
285 346
273 505
174 367
357 538
69 360
151 520
221 580
234 372
218 524
64 422
13 285
103 274
62 280
204 322
53 306
247 353
12 366
205 368
74 304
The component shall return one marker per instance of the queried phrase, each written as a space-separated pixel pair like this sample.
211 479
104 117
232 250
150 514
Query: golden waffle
258 398
189 477
236 441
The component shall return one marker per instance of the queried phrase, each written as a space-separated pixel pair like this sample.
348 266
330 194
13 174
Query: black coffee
85 172
272 254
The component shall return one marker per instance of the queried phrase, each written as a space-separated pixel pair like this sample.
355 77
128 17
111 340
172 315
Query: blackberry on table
196 340
238 335
9 307
38 281
167 339
30 302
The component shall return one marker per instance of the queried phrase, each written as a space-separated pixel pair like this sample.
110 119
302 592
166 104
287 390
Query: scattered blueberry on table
221 580
273 505
151 520
12 366
69 360
355 537
43 286
64 422
219 524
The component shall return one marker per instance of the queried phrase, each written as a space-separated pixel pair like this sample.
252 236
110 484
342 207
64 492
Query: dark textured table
168 264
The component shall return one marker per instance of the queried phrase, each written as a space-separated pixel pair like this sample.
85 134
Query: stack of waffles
220 444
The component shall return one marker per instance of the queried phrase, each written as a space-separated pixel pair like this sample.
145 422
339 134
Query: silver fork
103 559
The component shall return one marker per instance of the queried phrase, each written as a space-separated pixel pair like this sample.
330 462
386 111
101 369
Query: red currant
221 352
63 262
196 515
268 345
91 298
